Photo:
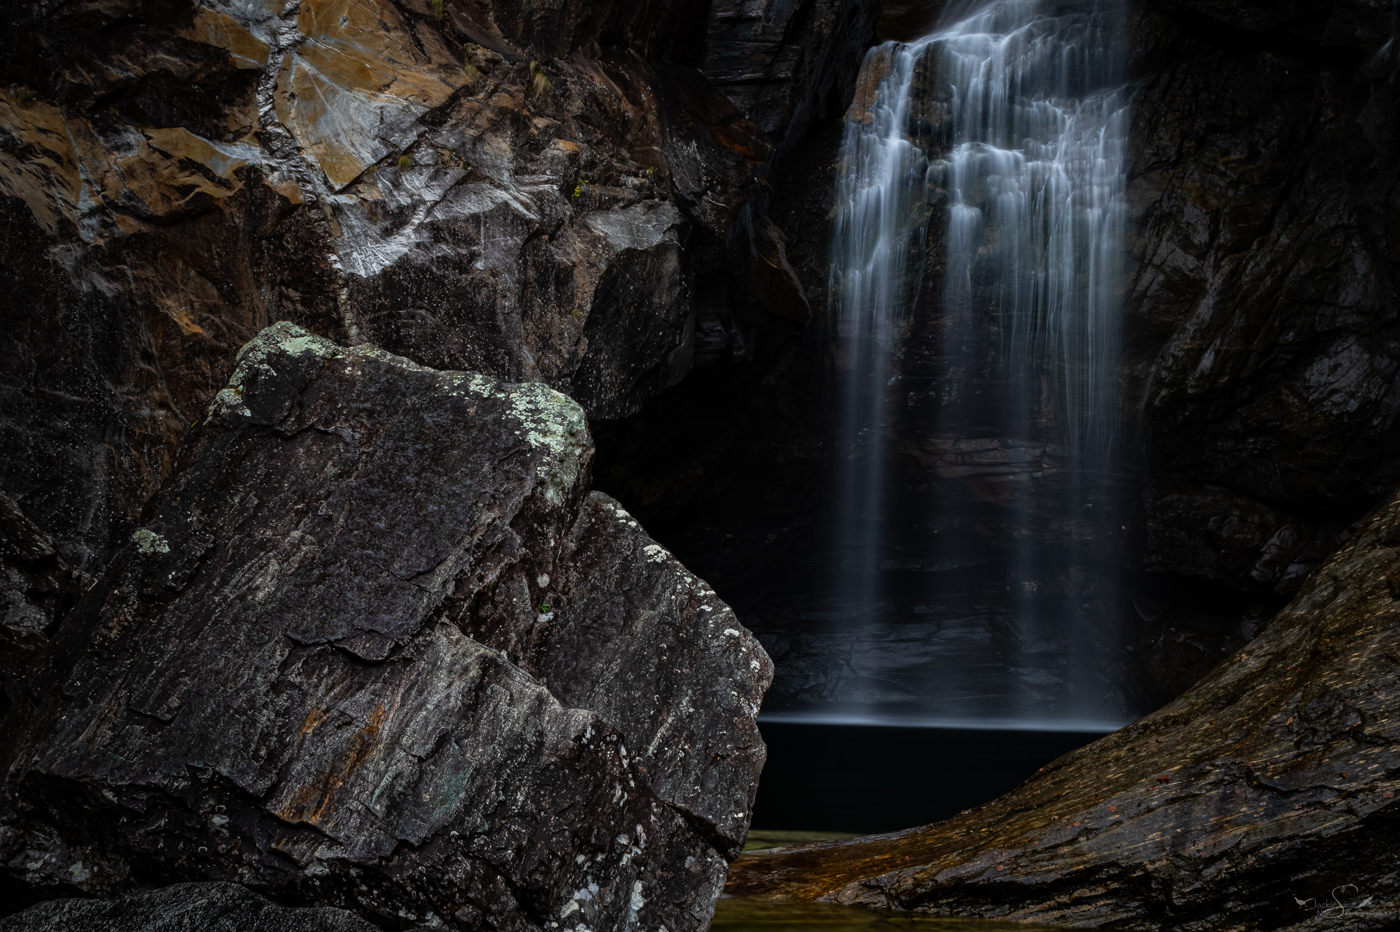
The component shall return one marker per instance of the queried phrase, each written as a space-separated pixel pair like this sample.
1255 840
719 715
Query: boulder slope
334 664
1264 798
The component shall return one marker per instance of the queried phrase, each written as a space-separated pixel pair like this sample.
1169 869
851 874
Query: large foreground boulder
1264 798
376 647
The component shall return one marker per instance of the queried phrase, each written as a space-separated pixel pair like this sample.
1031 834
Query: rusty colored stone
513 189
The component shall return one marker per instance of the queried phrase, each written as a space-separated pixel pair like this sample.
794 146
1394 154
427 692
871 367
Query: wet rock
303 674
1210 532
1259 399
627 631
39 586
217 907
1264 796
1261 326
786 64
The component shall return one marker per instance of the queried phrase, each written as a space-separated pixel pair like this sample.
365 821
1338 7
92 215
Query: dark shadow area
851 778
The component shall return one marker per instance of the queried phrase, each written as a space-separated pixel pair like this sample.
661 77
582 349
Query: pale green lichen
148 541
474 382
555 422
282 338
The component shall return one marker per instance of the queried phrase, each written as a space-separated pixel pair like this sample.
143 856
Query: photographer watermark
1346 900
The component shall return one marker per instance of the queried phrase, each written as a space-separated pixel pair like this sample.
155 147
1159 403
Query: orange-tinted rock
488 188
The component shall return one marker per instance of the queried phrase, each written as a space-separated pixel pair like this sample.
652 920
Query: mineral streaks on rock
356 81
279 695
647 645
625 630
1242 804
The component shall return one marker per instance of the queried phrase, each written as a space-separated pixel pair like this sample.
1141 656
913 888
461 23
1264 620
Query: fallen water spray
1007 126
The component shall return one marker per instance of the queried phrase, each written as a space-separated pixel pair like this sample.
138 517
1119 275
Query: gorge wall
544 196
1257 378
530 192
631 203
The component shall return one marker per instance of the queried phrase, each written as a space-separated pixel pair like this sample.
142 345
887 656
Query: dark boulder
374 647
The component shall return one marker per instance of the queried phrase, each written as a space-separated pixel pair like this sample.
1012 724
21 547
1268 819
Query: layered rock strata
1264 798
374 646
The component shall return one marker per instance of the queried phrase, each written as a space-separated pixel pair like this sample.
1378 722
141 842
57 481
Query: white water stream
1013 113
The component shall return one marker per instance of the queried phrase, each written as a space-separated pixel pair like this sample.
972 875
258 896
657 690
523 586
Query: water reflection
739 915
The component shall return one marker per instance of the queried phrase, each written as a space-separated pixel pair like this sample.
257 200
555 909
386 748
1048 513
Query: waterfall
1011 118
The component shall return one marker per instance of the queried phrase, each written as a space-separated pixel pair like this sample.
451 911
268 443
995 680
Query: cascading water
998 601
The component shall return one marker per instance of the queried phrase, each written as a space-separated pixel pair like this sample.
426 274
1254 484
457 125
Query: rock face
1258 394
787 65
1264 798
539 192
375 647
217 907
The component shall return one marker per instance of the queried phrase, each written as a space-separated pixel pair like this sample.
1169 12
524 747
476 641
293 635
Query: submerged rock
374 648
1264 798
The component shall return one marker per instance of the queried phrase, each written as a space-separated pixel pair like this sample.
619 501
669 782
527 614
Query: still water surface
738 915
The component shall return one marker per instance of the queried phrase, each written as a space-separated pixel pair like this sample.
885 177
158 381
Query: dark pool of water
865 779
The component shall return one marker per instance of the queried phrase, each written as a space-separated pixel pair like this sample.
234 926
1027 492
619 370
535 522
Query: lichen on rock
283 681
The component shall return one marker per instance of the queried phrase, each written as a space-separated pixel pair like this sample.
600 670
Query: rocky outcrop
375 647
527 191
787 65
216 907
1263 798
1261 335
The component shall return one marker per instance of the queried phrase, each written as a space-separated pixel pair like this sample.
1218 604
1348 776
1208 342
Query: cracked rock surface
1241 805
528 191
374 647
